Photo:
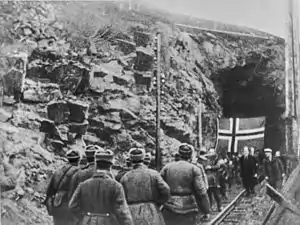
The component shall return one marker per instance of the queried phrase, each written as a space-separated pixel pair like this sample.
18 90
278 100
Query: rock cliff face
88 85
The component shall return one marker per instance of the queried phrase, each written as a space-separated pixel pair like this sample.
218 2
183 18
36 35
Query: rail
228 209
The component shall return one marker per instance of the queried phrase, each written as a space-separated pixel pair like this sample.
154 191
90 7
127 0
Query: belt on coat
180 194
140 202
98 214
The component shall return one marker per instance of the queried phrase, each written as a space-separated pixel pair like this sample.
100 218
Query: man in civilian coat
248 171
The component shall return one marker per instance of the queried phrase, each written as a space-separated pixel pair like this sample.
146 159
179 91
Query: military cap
104 156
128 160
202 152
176 154
185 149
72 154
91 149
147 157
202 157
268 150
137 154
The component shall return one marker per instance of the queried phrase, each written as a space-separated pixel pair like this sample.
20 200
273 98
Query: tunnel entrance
246 93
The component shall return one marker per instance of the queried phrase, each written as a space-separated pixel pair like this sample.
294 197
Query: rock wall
117 86
96 87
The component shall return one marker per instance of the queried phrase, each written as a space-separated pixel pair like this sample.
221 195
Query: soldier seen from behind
201 161
145 191
125 169
89 169
58 191
248 171
147 159
101 199
188 190
176 157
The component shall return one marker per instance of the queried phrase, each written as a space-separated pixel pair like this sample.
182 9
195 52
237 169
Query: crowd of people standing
91 194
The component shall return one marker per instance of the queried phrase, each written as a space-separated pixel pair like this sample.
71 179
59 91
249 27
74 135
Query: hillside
200 22
82 73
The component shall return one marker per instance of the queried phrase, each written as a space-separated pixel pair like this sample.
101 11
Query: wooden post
158 71
291 82
296 67
199 124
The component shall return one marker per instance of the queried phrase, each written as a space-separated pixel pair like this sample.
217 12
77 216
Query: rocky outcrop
37 92
67 121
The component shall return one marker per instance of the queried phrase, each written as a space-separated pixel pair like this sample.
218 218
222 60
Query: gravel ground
256 212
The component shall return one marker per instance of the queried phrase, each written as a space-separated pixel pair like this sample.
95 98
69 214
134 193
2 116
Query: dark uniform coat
145 191
188 191
274 171
58 205
100 200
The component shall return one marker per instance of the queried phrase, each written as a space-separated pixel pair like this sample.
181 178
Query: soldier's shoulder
169 165
60 170
84 167
152 172
126 173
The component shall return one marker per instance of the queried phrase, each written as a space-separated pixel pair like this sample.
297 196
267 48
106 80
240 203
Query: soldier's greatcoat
100 200
121 174
58 204
83 174
188 192
145 191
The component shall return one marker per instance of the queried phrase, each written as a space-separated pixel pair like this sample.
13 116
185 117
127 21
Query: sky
265 15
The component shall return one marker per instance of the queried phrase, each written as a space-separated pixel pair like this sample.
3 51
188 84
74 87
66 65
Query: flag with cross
235 133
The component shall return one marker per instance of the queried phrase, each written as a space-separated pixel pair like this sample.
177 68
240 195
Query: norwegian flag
235 133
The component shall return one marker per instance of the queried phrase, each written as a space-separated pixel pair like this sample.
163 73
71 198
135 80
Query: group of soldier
138 195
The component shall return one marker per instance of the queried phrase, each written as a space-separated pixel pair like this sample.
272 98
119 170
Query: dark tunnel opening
244 93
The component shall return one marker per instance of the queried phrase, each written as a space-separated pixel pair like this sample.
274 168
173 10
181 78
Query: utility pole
158 93
296 68
199 124
292 105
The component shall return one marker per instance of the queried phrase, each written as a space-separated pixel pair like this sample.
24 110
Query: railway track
236 211
233 213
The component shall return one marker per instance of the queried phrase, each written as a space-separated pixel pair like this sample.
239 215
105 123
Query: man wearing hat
188 190
87 171
145 190
273 171
147 159
201 161
101 199
213 183
176 157
58 195
124 169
